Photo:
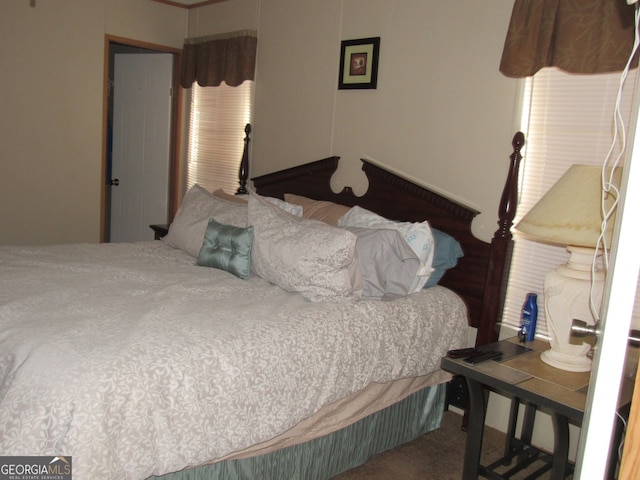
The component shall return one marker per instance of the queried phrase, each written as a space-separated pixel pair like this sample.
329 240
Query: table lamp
571 214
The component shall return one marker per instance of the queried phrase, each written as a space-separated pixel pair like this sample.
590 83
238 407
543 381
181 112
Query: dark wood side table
522 376
159 231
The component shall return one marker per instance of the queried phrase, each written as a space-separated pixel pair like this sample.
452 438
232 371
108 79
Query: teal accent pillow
226 247
446 255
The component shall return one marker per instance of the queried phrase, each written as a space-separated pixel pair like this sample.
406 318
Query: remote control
464 352
481 358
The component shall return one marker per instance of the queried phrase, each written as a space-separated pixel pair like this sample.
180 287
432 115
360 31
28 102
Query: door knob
115 182
580 329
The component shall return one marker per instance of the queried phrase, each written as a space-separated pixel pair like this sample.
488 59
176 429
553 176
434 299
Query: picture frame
359 63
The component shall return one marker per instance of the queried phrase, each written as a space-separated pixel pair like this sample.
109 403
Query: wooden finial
509 198
244 163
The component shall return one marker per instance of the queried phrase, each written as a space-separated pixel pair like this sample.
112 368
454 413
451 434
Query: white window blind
567 119
216 135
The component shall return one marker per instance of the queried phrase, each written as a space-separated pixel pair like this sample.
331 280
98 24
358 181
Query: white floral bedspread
135 362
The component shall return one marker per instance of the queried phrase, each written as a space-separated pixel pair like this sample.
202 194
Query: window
567 119
216 135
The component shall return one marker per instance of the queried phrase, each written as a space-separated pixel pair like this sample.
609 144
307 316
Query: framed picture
359 63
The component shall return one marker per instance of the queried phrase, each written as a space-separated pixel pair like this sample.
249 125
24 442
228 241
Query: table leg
528 422
526 432
561 447
477 412
511 430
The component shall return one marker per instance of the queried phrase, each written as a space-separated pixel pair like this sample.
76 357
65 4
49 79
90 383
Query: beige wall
223 17
442 113
51 81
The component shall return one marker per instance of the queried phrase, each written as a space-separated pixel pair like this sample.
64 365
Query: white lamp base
567 294
571 363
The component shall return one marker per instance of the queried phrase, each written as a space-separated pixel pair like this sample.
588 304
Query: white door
141 144
617 310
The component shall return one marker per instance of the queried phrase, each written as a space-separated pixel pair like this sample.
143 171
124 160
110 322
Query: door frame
176 123
617 311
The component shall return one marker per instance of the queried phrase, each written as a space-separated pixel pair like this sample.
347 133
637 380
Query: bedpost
500 252
243 173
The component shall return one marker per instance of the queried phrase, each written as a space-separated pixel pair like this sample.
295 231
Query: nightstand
159 231
522 376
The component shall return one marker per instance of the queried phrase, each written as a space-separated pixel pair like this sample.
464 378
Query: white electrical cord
608 186
624 431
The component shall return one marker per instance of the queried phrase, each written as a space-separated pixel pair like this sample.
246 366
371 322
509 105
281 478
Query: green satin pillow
227 248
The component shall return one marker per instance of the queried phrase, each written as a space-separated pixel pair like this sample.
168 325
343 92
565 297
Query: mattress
135 362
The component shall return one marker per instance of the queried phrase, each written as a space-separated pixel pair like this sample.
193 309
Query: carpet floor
437 455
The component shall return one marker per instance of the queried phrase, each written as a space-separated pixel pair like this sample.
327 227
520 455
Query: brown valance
578 36
211 60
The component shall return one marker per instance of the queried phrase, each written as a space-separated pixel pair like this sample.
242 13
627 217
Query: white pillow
387 263
187 230
295 210
305 256
417 235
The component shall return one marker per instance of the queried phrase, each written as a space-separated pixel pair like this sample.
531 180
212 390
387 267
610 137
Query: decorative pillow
226 247
417 235
446 254
327 212
230 198
387 263
305 256
287 207
186 232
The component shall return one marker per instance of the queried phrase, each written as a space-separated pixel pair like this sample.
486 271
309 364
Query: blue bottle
529 318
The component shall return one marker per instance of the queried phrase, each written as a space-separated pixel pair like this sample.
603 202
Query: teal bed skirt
325 457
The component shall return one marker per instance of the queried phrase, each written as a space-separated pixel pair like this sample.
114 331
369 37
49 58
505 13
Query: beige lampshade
570 213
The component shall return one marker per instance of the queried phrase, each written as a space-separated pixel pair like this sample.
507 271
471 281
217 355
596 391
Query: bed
138 361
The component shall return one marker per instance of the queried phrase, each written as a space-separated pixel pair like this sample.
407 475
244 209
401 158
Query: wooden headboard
480 276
